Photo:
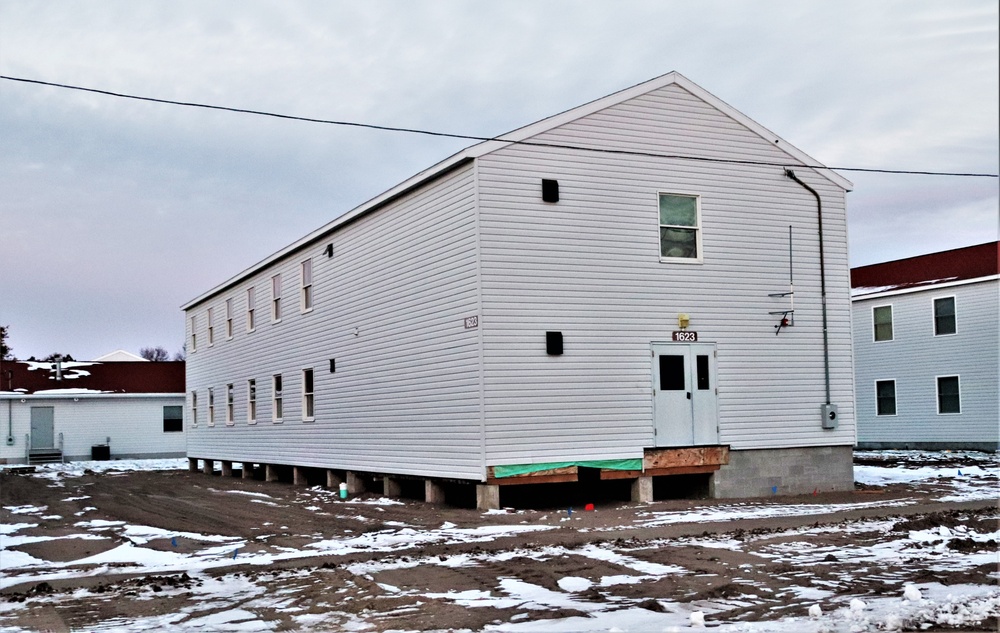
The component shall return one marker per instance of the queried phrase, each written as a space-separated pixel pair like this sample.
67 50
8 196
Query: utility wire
469 137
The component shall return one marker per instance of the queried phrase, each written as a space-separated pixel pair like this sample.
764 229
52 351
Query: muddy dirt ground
741 569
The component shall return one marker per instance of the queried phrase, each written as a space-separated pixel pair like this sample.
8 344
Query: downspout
822 281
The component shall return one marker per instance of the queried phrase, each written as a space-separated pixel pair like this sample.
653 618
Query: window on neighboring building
194 334
948 395
680 227
211 329
229 318
307 282
211 406
885 397
308 412
251 401
944 316
173 419
230 405
276 408
882 318
251 306
194 408
276 298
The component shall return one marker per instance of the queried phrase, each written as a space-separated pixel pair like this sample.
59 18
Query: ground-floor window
173 419
948 395
276 398
885 397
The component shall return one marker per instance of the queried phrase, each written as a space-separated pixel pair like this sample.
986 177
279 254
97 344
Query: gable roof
959 264
120 355
75 378
796 158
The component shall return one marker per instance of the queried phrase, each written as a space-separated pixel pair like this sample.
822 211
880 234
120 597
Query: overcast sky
114 212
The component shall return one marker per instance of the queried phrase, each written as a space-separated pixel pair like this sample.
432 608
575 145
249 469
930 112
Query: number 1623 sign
686 337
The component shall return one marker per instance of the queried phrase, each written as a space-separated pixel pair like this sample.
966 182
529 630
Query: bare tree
182 355
58 358
6 353
155 354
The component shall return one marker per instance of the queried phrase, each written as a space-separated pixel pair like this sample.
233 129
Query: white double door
685 395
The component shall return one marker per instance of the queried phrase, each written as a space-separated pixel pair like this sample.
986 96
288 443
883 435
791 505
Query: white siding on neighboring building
389 308
134 422
589 266
915 357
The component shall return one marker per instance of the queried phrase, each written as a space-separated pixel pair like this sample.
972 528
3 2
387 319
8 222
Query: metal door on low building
43 427
685 397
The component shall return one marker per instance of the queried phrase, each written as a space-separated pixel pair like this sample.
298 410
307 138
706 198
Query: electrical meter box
831 416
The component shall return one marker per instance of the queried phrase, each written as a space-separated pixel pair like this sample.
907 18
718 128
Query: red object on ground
588 507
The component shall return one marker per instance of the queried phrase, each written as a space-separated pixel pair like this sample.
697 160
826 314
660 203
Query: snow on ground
228 602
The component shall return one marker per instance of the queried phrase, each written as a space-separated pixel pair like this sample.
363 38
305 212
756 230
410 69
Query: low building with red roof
926 350
81 410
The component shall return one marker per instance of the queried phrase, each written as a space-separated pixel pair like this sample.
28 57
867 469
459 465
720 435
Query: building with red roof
81 410
926 350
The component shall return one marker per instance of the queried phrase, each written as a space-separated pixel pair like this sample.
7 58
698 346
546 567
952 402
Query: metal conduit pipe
822 280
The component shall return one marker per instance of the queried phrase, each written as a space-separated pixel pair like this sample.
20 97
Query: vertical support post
208 467
333 480
642 490
247 472
487 497
391 487
192 464
433 492
270 473
227 468
299 476
355 484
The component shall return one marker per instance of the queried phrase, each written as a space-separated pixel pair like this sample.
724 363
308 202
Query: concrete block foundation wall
785 471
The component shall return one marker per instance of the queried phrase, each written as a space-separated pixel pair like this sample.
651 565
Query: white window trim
252 401
311 418
251 314
230 404
211 329
211 406
895 399
274 399
194 333
276 298
698 234
306 288
229 319
194 408
937 394
954 302
892 323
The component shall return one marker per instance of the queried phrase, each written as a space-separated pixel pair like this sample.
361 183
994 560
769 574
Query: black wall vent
333 365
550 190
329 250
553 343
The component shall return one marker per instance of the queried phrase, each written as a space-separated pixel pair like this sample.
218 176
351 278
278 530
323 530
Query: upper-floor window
276 297
230 405
949 395
944 316
194 334
307 282
173 419
194 408
251 401
308 397
229 318
251 306
211 329
885 397
211 407
680 227
276 398
882 320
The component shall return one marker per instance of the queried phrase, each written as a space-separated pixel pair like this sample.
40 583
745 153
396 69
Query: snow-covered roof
46 378
796 157
923 271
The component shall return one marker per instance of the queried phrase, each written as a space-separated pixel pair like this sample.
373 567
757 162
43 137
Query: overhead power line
470 137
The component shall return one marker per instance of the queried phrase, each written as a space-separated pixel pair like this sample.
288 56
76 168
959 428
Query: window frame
211 329
211 406
308 396
276 298
878 398
937 391
194 407
251 309
179 419
697 228
954 315
306 294
194 333
230 405
251 401
229 318
892 332
277 399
